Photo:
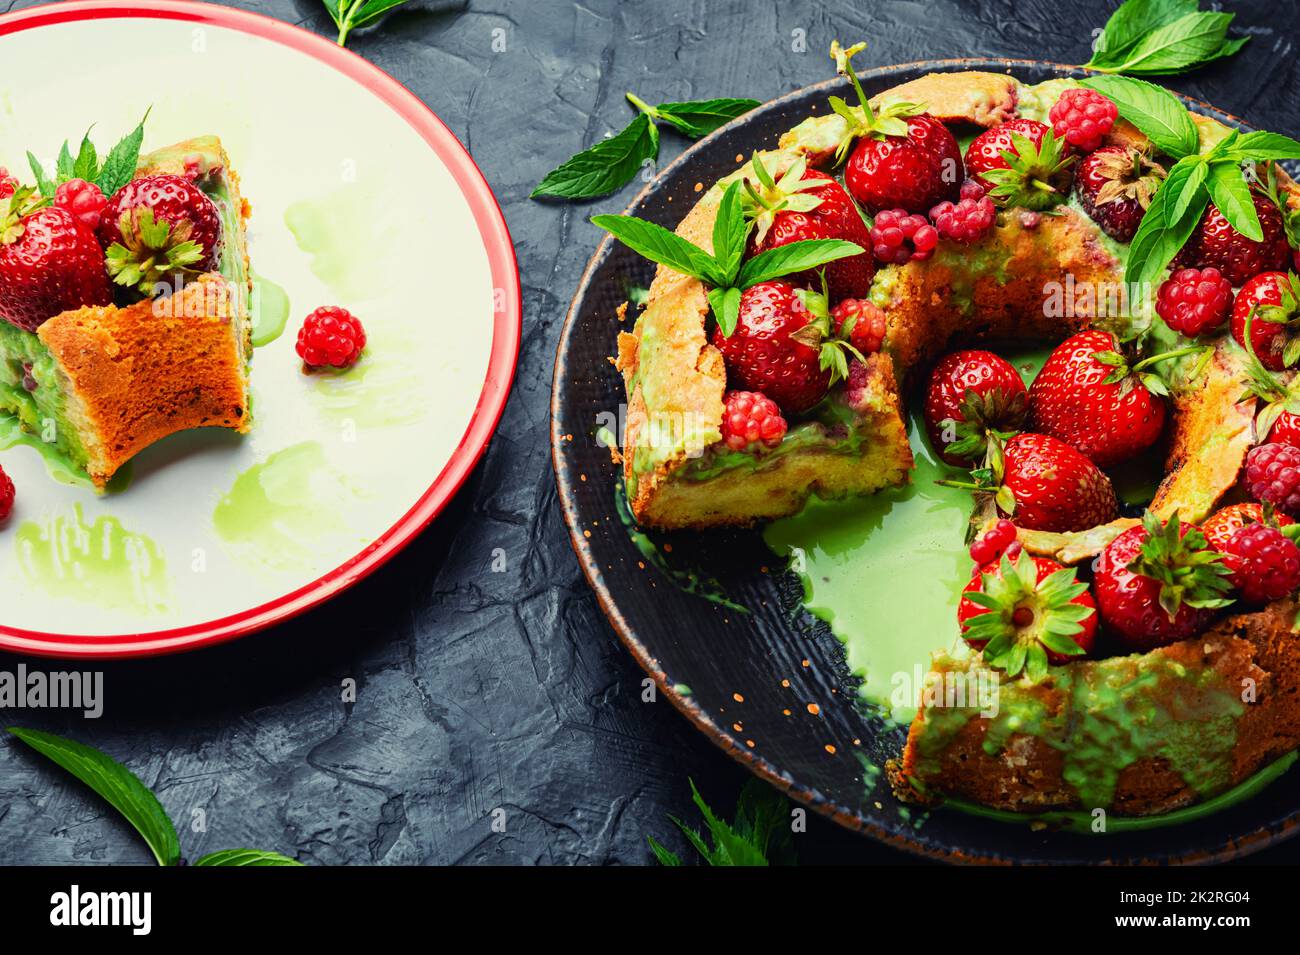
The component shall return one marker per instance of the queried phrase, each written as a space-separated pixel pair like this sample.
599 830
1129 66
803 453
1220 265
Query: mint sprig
124 791
612 163
117 169
759 836
722 269
350 14
1158 113
1163 37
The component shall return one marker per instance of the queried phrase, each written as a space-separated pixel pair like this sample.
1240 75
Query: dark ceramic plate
751 682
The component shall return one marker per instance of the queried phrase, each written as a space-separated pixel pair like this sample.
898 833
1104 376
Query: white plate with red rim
216 536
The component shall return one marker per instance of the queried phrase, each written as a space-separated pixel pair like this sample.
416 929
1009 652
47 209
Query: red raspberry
993 543
6 491
8 183
1273 475
749 418
966 221
1083 118
1265 565
973 189
83 199
867 328
1193 301
897 237
330 336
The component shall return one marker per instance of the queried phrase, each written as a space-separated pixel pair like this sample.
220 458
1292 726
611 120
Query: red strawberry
971 393
1216 243
1219 527
1089 396
6 483
1027 614
782 346
1272 303
903 159
1022 163
49 262
1159 583
807 204
1115 185
1049 486
158 227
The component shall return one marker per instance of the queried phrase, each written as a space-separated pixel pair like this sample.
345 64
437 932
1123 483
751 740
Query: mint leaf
116 784
350 14
86 165
1160 235
1229 191
608 165
701 117
730 230
119 166
725 303
246 857
759 836
43 182
1263 147
1178 46
1190 187
665 855
1127 25
63 167
660 245
1154 110
795 257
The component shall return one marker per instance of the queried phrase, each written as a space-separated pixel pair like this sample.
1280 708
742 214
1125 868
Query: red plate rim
507 329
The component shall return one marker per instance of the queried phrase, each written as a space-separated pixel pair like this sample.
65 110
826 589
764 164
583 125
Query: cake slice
103 383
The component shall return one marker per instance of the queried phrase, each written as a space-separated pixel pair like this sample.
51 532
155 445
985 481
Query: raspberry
6 495
749 418
973 189
330 336
1082 118
994 542
8 183
897 237
83 199
867 328
1193 301
1273 475
966 221
1265 565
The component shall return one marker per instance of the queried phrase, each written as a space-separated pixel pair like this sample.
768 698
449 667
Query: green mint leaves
723 269
1197 179
612 163
1162 37
760 836
350 14
116 170
124 791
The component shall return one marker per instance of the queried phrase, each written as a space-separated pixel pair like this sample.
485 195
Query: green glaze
886 610
42 411
1082 822
278 511
1034 102
331 229
100 563
383 389
270 310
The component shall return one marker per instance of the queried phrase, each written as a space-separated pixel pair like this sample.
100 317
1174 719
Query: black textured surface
477 690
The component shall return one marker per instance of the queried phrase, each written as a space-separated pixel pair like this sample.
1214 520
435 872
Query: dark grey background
479 690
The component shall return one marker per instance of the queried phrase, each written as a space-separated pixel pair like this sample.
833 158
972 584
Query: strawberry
904 158
1022 163
1219 527
807 204
1216 243
782 346
159 227
970 394
49 262
1159 583
1279 418
1044 484
1270 302
1088 395
1026 614
1115 185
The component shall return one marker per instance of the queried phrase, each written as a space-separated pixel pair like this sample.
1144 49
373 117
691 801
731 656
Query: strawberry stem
1165 356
